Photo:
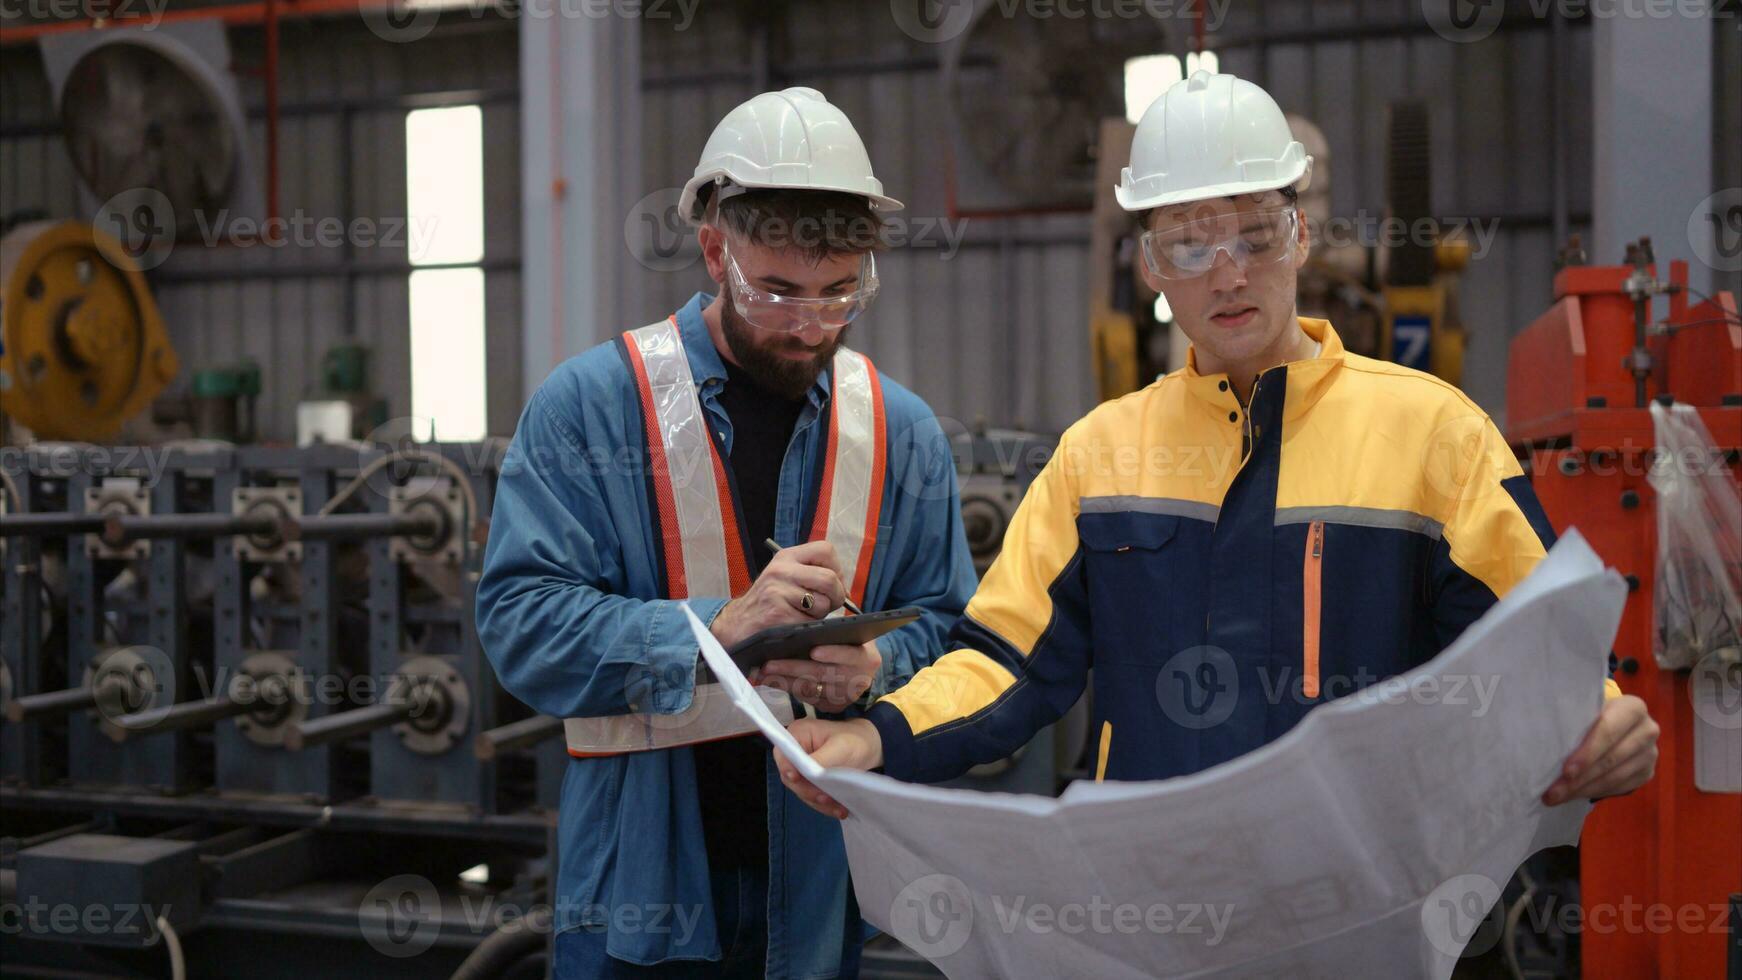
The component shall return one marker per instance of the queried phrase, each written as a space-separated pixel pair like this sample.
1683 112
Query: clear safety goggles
787 314
1250 238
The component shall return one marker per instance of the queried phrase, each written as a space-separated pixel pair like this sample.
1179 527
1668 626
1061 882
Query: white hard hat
1211 136
792 139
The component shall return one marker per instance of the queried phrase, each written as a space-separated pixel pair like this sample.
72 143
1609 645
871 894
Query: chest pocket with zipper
1136 574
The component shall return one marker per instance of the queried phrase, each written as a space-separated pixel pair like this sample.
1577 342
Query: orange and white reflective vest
698 530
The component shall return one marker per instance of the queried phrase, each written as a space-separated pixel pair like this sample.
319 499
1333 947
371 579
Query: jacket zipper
1311 601
1245 451
1246 435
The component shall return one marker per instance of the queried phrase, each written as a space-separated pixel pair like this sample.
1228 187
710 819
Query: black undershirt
730 773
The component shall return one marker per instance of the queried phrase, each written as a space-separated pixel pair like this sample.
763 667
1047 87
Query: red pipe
272 119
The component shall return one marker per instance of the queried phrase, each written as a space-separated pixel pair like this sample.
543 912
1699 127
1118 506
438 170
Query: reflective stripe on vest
702 548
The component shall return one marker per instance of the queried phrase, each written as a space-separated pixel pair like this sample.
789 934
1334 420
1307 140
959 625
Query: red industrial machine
1578 390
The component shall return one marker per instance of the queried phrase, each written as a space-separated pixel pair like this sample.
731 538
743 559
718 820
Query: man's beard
771 370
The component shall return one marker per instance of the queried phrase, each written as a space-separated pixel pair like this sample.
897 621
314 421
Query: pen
852 606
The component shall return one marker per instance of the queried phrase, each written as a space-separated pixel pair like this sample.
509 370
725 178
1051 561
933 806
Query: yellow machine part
1436 303
1114 341
84 345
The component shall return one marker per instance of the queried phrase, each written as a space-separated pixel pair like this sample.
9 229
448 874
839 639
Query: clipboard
794 641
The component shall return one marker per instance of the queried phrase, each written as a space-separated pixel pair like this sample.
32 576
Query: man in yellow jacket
1277 524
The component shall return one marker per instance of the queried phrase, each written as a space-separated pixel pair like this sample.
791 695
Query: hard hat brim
691 192
1131 198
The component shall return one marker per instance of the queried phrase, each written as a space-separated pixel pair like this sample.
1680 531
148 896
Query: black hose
506 946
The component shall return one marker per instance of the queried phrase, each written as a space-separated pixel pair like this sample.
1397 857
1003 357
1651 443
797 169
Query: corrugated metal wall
343 93
994 330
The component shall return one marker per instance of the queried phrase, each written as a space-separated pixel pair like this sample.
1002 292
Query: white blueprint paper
1370 840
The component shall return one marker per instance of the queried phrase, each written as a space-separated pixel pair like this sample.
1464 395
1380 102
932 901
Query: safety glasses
787 314
1250 238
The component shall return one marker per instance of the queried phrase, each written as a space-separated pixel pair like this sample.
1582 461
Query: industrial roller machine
243 684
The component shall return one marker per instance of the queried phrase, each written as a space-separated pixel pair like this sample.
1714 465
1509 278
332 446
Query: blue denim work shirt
572 615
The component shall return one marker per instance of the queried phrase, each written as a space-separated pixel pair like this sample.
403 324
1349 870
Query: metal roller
515 735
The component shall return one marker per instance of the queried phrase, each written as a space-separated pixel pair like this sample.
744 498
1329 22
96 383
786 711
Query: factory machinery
245 706
242 700
1582 384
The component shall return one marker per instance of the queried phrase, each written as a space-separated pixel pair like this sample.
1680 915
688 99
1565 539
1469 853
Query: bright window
1149 76
447 351
444 189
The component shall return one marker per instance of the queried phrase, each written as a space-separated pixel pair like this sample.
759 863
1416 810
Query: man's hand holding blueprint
1369 840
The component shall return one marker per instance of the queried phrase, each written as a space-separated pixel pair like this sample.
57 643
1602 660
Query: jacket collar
1307 379
706 365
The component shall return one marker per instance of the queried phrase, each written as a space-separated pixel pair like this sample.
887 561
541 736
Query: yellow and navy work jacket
1226 567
